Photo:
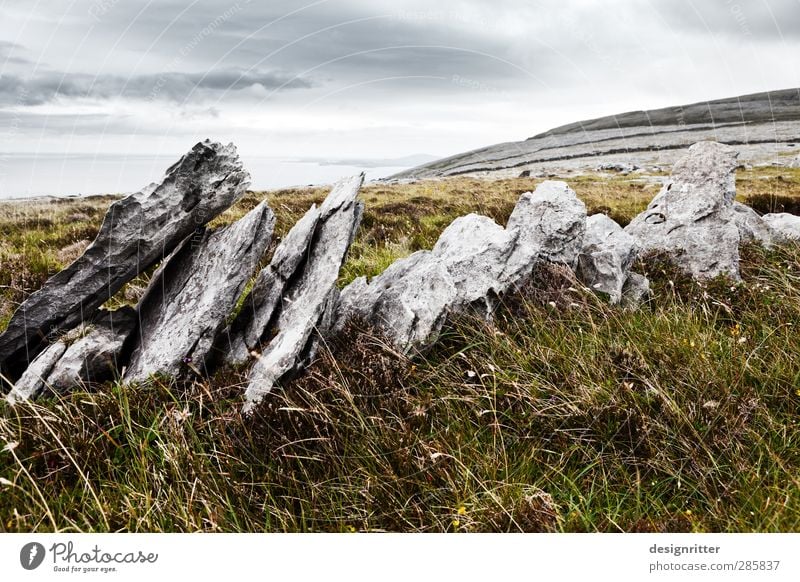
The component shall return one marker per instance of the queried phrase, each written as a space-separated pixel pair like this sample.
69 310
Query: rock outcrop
606 257
88 354
137 232
193 293
786 225
291 296
692 218
474 261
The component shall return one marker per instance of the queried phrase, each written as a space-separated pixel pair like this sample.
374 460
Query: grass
562 414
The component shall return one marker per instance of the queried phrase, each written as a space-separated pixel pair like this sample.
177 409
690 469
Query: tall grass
561 414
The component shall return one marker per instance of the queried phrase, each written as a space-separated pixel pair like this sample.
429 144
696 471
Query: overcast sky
367 78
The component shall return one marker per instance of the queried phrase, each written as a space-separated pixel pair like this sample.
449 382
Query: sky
366 79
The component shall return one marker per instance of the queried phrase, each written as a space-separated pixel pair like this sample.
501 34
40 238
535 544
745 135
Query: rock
753 228
474 261
95 356
635 291
785 224
692 218
607 255
552 220
137 232
89 353
263 302
306 275
794 162
190 297
623 168
33 380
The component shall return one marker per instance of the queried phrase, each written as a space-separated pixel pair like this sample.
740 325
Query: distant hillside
765 126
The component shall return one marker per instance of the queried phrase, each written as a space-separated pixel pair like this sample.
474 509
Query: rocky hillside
765 127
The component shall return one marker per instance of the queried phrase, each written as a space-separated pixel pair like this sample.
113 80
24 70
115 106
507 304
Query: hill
765 127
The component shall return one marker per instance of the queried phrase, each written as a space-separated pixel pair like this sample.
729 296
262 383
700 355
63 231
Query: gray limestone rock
473 262
635 291
692 218
137 232
752 227
253 322
89 353
787 225
551 221
192 294
303 276
607 255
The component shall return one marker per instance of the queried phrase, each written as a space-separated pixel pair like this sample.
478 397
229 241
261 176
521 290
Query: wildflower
688 513
691 344
351 529
456 523
462 510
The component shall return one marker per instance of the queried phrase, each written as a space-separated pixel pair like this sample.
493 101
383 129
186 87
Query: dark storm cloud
345 40
470 69
46 87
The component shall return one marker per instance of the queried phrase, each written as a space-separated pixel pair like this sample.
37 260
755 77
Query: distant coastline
27 176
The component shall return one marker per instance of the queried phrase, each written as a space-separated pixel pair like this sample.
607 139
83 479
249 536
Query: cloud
377 75
173 86
768 20
9 54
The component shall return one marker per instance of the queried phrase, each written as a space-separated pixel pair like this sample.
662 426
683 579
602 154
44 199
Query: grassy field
563 414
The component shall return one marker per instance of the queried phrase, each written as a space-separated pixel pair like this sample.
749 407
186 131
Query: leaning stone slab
692 218
190 297
787 225
263 302
605 260
303 274
137 232
474 261
88 354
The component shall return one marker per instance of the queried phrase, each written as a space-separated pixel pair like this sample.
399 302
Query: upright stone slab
303 276
137 232
606 257
190 297
551 221
692 218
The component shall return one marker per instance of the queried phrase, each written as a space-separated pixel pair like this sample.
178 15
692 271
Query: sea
62 175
